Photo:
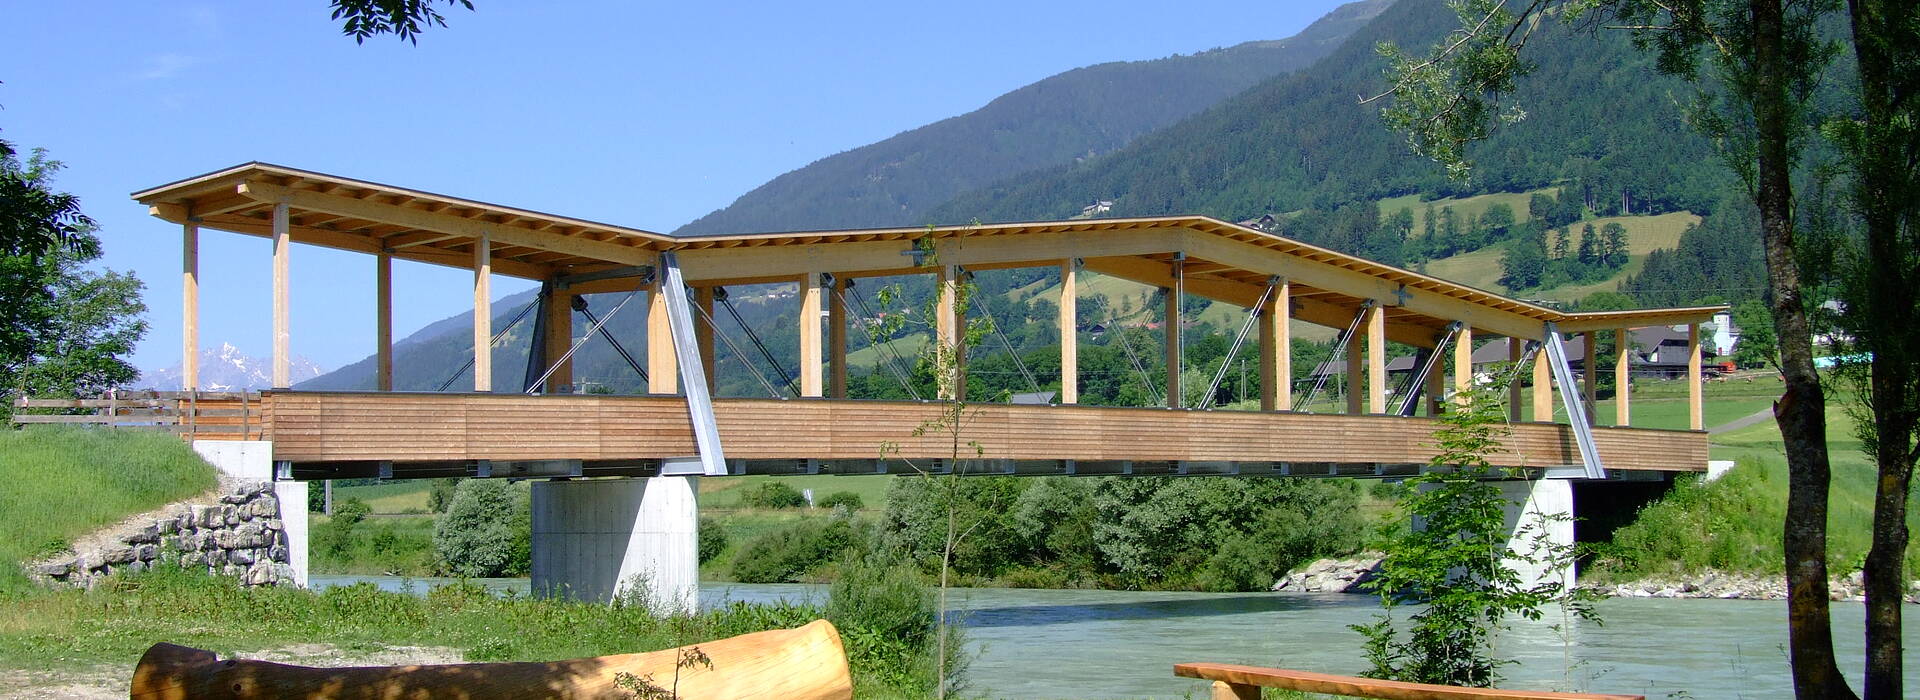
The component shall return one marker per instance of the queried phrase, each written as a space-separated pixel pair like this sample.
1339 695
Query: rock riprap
238 534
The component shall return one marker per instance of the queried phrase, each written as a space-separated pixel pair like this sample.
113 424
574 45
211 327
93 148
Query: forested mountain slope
1596 112
1064 118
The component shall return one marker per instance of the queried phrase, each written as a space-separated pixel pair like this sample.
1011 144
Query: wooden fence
194 415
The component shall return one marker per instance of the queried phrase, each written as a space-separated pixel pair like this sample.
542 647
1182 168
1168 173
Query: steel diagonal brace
1570 398
693 377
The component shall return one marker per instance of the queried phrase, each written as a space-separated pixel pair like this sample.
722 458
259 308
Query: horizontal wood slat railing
350 426
194 415
1235 682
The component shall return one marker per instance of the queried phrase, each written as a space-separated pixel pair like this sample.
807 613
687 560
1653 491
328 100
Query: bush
713 539
486 531
772 494
886 615
841 498
784 556
441 494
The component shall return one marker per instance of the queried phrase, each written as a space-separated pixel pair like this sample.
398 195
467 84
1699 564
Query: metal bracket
1570 398
693 377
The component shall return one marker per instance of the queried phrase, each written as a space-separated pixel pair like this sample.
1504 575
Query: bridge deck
335 434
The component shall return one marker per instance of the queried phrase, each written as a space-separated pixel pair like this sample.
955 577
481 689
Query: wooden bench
1235 682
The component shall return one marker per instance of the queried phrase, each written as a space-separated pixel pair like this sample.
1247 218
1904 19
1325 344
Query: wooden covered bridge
678 428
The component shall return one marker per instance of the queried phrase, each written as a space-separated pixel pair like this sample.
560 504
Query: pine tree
1560 245
1589 246
1615 237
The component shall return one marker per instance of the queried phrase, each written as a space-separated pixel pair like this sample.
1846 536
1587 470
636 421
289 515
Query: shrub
784 556
772 494
841 498
713 539
441 494
886 615
485 531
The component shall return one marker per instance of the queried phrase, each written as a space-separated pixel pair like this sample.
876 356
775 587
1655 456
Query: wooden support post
1377 359
1516 353
282 332
1176 293
1223 690
1590 376
1276 350
703 332
1069 332
1623 377
1696 419
190 306
1542 386
559 328
1462 364
1356 373
663 368
947 332
837 338
383 322
483 313
812 356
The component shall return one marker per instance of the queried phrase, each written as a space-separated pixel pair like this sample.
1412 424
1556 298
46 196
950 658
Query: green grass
57 631
407 496
58 484
1481 268
724 494
1735 522
400 545
1464 208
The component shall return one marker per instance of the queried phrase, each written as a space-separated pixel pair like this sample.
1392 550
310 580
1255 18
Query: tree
485 530
1524 263
364 19
1614 239
63 328
1765 58
1561 246
1454 557
1756 346
1589 247
1881 288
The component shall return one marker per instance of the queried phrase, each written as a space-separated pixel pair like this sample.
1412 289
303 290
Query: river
1123 644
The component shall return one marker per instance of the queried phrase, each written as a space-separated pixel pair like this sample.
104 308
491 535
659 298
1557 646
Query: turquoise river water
1123 644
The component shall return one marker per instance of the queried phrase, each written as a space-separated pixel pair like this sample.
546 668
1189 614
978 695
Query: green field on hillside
1464 208
1481 268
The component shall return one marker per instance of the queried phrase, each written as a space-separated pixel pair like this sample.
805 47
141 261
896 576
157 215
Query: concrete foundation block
1542 520
253 460
598 539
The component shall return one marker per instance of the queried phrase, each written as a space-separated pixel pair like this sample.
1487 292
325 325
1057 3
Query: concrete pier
593 540
1542 520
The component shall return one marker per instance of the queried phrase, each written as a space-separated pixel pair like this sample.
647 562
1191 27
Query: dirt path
1738 423
110 681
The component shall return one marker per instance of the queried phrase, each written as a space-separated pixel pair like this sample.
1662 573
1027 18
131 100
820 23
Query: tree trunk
1801 412
1883 190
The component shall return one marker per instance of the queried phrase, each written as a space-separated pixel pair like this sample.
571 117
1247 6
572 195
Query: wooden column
190 306
1462 364
559 328
1276 350
1069 332
703 334
383 322
1542 386
1623 377
1377 359
1516 353
837 338
1175 355
1356 372
1590 376
812 355
1696 418
947 332
483 313
282 333
663 369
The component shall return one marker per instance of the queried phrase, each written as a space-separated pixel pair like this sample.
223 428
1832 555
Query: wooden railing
1234 682
194 415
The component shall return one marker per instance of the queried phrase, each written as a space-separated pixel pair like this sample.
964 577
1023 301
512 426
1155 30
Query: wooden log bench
1235 682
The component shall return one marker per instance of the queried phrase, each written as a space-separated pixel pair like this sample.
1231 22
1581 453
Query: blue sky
639 114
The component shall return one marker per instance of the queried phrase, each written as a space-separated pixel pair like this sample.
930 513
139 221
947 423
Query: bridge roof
1216 259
